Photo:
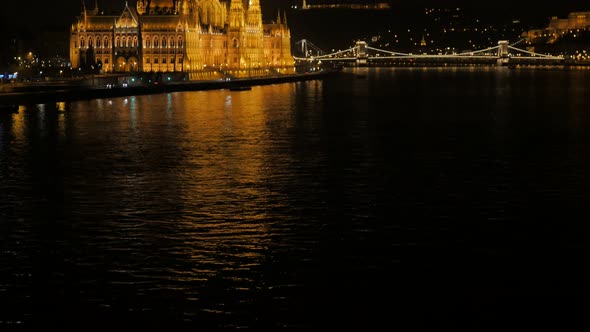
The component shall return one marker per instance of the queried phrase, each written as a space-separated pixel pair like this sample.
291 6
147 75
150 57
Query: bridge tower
304 49
503 49
503 54
361 53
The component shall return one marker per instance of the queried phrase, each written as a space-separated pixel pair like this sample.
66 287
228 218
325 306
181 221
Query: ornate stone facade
205 38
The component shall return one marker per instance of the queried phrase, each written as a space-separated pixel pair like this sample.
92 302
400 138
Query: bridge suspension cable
333 54
386 51
478 51
518 42
533 53
306 45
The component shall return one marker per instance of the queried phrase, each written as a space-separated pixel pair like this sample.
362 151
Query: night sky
38 13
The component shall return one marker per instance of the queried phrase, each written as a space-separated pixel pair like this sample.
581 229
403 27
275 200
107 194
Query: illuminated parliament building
205 38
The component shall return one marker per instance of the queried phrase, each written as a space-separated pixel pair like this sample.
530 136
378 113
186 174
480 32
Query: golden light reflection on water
225 144
60 106
207 153
18 124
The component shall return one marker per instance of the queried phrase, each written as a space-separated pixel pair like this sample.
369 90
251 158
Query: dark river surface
384 199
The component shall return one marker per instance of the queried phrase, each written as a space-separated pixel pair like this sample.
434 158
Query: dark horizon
62 15
46 22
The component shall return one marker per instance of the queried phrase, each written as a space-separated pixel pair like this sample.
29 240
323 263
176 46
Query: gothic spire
254 13
236 14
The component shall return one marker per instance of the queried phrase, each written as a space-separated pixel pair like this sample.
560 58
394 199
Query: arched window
180 42
128 42
106 42
172 60
156 60
163 60
98 43
156 42
171 41
117 42
90 42
148 43
135 42
82 42
164 42
147 60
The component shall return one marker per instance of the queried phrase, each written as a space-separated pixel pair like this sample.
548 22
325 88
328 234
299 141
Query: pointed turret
286 29
96 6
84 12
285 18
254 14
236 14
141 7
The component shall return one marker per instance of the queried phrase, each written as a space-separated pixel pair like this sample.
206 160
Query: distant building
357 5
205 38
558 27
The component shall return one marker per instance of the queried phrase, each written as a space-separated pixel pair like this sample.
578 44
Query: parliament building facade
204 38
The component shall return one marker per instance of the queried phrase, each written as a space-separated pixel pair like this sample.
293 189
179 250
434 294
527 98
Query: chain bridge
361 54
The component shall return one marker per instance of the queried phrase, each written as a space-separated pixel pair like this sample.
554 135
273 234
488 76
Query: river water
384 199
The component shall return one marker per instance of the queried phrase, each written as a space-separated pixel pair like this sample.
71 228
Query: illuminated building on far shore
365 5
560 26
205 38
